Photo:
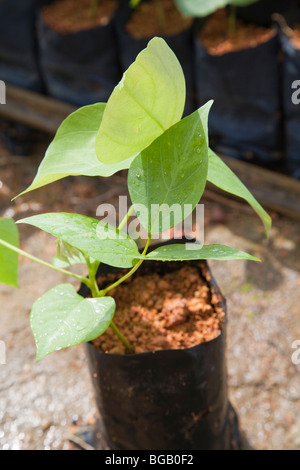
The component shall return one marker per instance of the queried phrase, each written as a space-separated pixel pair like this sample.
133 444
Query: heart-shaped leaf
62 318
8 258
149 99
98 240
72 151
192 252
167 180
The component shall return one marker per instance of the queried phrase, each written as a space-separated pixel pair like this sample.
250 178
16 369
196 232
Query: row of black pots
170 399
253 116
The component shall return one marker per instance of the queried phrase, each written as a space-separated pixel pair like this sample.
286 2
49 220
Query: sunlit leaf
149 99
72 151
170 175
98 240
61 318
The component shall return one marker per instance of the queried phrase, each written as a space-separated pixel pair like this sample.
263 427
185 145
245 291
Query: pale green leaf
149 99
72 152
61 318
8 258
170 175
98 240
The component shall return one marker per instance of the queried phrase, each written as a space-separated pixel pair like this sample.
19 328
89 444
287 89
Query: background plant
169 161
202 8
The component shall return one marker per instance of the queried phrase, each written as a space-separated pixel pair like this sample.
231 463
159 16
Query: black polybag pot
18 49
81 68
181 44
261 12
291 110
245 120
167 400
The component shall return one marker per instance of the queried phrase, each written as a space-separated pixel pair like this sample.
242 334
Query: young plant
202 8
169 161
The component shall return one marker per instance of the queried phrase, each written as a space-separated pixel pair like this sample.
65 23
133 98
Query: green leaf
171 171
149 99
98 240
221 175
8 258
203 8
72 152
67 255
62 318
182 253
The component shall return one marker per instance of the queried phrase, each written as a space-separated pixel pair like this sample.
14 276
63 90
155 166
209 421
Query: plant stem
161 16
128 275
93 9
124 221
232 19
121 337
44 263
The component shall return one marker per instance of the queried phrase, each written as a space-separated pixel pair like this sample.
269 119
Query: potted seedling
140 20
153 320
237 66
79 58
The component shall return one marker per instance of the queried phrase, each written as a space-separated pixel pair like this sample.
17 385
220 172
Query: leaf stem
129 274
127 216
44 263
121 337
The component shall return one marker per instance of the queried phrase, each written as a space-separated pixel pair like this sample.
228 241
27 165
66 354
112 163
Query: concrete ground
38 402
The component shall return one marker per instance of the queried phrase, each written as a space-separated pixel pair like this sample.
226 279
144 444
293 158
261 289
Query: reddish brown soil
218 40
69 16
295 38
176 310
145 23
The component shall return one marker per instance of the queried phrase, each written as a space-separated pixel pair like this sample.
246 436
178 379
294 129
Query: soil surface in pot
218 40
295 37
155 311
146 21
69 16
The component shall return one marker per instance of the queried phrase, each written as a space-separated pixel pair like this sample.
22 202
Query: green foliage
149 99
169 163
172 170
98 240
181 253
8 259
62 318
72 152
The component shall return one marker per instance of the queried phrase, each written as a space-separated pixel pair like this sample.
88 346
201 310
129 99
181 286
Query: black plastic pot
181 44
167 400
261 12
245 120
18 55
291 110
81 68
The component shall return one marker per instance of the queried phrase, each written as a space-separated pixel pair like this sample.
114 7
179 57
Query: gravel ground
38 402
